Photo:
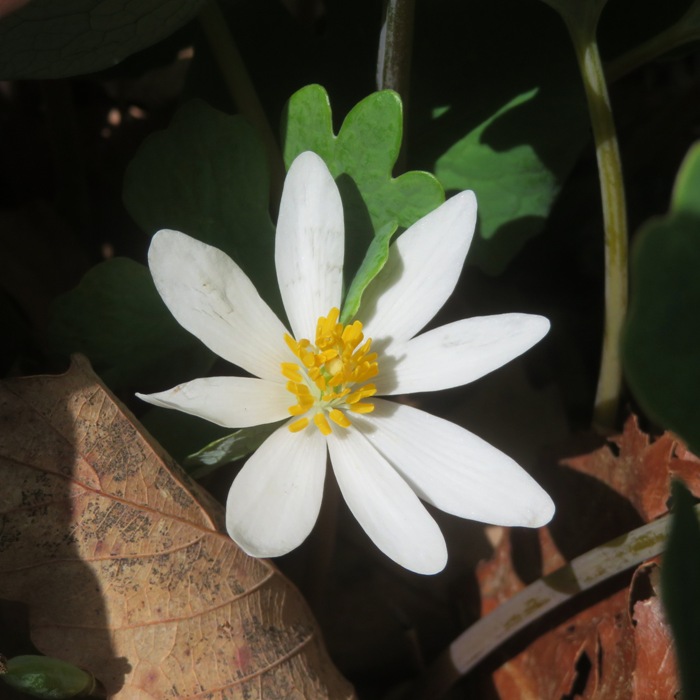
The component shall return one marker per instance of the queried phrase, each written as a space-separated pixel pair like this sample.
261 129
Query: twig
539 598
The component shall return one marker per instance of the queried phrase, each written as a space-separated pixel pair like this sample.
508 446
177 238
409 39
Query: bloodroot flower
324 377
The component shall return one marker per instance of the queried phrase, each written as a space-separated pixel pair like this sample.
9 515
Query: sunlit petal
458 353
275 499
384 504
234 402
212 298
310 244
422 271
453 469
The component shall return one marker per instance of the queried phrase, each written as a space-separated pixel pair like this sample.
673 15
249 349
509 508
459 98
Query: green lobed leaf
117 319
60 38
47 678
206 175
361 158
228 449
662 334
680 583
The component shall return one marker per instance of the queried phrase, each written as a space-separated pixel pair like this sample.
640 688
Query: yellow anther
322 423
291 371
339 418
361 408
298 425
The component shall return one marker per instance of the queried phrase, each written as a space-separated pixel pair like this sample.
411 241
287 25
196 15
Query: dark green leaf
60 38
680 583
662 335
116 318
206 175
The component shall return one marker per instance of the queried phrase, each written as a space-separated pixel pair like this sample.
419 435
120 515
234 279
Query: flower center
329 380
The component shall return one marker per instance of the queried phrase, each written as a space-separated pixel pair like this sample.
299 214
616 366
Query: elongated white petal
422 270
384 504
275 499
310 244
212 298
234 402
457 353
453 469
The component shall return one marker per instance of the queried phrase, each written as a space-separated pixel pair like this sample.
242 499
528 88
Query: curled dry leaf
119 557
613 643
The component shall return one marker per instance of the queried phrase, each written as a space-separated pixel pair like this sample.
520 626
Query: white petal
422 271
234 402
453 469
310 244
275 499
212 298
457 353
384 504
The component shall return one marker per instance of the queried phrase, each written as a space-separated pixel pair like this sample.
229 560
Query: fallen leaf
655 673
613 642
121 561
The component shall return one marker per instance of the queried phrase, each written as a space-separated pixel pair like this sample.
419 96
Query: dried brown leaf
615 643
641 470
119 557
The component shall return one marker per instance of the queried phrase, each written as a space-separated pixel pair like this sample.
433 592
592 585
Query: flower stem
615 224
537 599
394 57
241 89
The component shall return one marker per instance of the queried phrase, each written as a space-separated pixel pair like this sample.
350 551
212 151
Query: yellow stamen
331 375
298 425
339 418
322 423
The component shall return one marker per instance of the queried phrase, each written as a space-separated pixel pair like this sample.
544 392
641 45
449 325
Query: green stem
615 223
241 89
537 599
686 30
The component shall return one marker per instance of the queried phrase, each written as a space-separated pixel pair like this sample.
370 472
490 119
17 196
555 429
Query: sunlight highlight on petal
234 402
385 505
274 501
310 244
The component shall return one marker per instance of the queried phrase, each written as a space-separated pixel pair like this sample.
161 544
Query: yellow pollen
331 374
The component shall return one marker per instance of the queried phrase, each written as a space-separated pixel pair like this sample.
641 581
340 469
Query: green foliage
59 38
662 336
48 678
680 583
228 449
361 158
515 186
117 319
206 175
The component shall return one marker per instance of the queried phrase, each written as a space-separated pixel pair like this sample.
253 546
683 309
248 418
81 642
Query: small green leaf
374 260
60 38
206 175
45 677
361 158
662 334
228 449
117 319
680 583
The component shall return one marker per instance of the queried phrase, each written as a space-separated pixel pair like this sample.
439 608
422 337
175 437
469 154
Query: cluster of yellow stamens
328 373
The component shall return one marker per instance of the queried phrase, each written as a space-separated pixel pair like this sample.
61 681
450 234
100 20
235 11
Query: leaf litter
122 561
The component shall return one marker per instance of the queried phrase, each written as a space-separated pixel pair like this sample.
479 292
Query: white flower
386 456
